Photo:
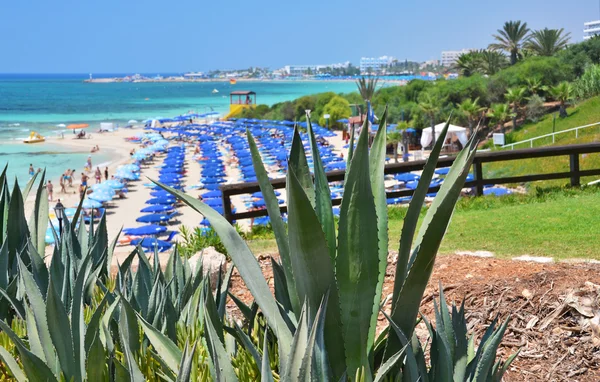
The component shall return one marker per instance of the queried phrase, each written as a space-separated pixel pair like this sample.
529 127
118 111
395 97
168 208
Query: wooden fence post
574 168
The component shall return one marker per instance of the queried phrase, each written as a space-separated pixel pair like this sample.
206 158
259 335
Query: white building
591 29
449 57
374 64
300 70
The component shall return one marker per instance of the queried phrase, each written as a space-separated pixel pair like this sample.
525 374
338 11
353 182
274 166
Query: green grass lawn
560 223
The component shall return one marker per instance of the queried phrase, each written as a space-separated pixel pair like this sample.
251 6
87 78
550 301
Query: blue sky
152 36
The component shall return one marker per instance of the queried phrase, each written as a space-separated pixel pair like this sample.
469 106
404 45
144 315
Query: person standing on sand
63 179
50 189
98 175
84 180
106 173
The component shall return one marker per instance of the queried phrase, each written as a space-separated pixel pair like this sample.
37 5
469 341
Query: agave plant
328 286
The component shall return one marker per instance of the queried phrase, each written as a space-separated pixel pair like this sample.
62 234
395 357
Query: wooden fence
574 174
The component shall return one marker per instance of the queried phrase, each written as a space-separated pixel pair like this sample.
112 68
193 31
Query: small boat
34 138
232 81
215 91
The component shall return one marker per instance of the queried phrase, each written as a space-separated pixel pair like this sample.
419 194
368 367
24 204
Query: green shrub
535 109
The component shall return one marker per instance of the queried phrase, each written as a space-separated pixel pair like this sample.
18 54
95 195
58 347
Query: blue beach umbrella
163 200
153 218
152 243
497 191
442 171
157 208
212 194
406 177
151 229
88 203
101 197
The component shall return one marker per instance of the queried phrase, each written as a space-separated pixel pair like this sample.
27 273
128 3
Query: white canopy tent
459 132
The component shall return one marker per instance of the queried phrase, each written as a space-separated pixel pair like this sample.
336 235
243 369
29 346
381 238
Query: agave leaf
29 185
350 148
279 230
412 372
142 285
83 237
17 231
128 331
312 266
77 319
315 366
446 323
500 373
222 293
211 310
357 269
444 365
96 360
322 195
39 216
247 343
412 215
185 368
100 240
38 268
16 304
111 251
246 264
223 369
93 328
376 168
428 241
265 370
61 334
79 208
12 365
38 308
245 309
280 286
388 365
105 335
121 372
298 349
488 356
462 342
298 163
4 275
35 368
165 348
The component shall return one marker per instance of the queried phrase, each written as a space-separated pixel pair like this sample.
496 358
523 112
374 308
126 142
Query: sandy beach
124 212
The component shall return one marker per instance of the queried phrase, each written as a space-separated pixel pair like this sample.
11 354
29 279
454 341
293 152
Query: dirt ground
553 308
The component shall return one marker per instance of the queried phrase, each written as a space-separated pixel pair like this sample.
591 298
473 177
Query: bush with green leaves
72 322
535 109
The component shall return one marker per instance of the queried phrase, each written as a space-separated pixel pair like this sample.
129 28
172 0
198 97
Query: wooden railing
574 174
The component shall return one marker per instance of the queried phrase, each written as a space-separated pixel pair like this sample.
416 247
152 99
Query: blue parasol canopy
88 203
407 177
212 194
157 208
153 218
162 200
151 229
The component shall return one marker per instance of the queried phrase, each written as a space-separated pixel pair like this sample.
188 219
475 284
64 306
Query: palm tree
500 114
468 64
515 96
510 39
472 110
562 93
430 104
492 62
534 86
547 42
393 138
367 87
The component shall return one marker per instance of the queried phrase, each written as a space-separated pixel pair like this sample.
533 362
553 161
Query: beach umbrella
213 202
89 203
114 184
163 200
161 193
61 125
77 126
132 121
157 208
153 218
132 167
151 229
442 171
406 177
152 244
212 194
259 194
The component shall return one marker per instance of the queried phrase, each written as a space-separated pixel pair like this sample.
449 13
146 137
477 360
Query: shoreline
219 80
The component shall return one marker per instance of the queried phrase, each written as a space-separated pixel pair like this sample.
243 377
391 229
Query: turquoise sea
41 102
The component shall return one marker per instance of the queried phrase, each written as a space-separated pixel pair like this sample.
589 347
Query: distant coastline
206 80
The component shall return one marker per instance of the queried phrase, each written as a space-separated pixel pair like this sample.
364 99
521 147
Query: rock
213 262
534 259
476 253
